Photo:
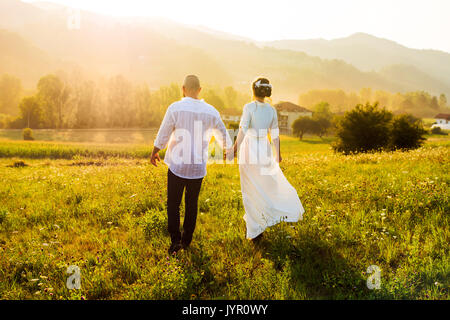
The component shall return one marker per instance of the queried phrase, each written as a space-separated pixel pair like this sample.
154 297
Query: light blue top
261 118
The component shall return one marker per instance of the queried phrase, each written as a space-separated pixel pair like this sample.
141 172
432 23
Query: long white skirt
267 195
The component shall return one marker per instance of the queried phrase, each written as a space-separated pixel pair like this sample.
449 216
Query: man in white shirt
186 130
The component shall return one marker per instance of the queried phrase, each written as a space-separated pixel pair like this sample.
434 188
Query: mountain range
35 40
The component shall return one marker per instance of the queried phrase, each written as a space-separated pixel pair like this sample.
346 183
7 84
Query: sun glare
286 19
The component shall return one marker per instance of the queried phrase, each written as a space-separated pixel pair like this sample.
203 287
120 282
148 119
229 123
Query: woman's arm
277 145
275 135
239 139
243 127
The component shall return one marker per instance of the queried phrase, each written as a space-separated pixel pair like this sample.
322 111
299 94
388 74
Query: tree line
321 122
419 103
63 102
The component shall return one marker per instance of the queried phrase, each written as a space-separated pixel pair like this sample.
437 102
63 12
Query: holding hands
230 153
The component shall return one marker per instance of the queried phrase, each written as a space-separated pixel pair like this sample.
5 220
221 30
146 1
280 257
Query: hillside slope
160 51
367 52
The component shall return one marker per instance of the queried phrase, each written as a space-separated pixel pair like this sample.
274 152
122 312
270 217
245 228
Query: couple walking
186 131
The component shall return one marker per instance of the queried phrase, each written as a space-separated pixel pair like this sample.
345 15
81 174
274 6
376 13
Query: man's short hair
191 82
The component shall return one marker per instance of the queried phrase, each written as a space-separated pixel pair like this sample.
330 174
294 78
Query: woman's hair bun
262 88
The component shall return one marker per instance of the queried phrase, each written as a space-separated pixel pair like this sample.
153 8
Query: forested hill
368 53
159 52
24 60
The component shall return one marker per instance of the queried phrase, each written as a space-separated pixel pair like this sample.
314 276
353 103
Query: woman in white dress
267 195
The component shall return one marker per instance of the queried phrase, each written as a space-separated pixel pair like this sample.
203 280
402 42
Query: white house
442 121
288 112
230 116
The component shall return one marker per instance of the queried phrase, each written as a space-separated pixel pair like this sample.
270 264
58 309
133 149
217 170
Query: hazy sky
423 24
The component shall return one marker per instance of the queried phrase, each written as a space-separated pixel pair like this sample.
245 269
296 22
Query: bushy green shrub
406 132
369 128
365 128
27 134
438 130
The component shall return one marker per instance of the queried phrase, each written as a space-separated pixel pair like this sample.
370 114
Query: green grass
72 150
75 150
85 135
106 214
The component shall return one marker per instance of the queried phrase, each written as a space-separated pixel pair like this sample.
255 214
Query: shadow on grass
316 268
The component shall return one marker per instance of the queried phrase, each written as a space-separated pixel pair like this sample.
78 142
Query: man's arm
163 136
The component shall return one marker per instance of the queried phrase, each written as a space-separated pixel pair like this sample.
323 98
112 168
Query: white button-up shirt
186 130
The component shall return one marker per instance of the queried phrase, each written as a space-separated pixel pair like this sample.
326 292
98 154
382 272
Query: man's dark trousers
175 187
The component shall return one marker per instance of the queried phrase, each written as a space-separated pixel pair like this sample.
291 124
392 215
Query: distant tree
143 101
322 110
85 113
321 127
382 97
406 105
419 103
230 97
365 128
366 95
337 99
242 99
167 96
442 101
434 104
303 125
54 95
3 120
163 98
30 112
10 94
213 99
406 132
322 116
120 103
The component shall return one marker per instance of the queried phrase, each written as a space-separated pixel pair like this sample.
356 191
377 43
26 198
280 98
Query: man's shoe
174 248
184 246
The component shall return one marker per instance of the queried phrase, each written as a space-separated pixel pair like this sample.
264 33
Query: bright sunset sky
422 24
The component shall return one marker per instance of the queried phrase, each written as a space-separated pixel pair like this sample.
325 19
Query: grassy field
102 208
85 135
